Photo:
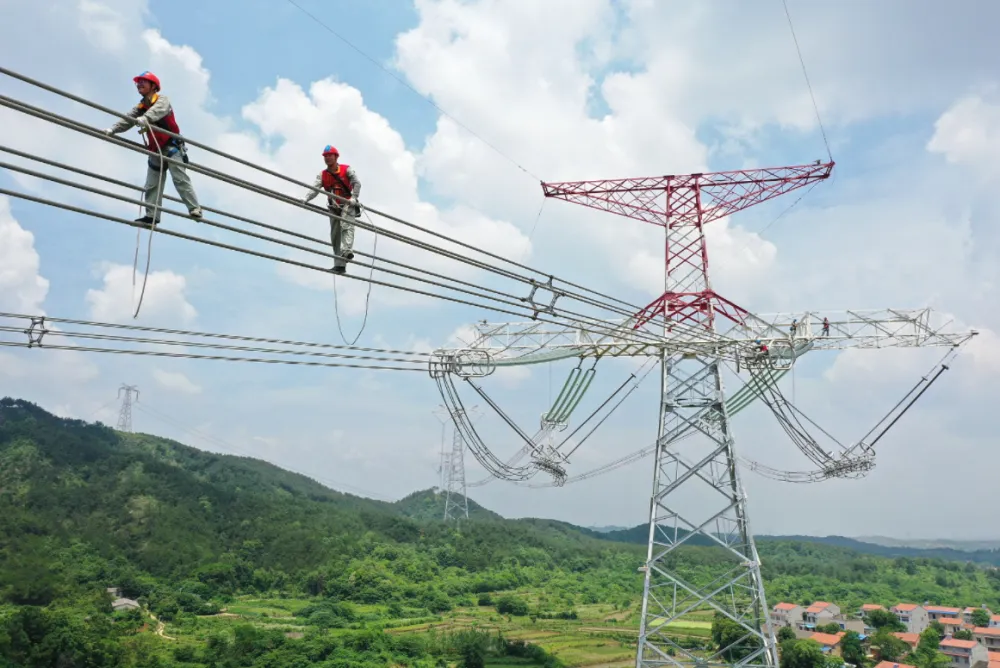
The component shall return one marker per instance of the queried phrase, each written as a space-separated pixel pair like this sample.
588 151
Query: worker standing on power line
155 110
343 186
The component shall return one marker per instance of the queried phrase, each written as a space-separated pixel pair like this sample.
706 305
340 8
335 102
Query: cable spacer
36 331
536 307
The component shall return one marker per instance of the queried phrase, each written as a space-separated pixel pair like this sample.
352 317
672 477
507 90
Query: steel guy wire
157 353
805 73
246 163
104 193
45 115
234 337
605 328
212 346
233 216
569 315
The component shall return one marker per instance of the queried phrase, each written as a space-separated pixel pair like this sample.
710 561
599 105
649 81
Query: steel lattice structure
692 396
125 413
693 401
451 467
456 503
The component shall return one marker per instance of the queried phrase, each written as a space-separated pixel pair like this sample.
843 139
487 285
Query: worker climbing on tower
343 187
152 113
762 348
793 327
826 327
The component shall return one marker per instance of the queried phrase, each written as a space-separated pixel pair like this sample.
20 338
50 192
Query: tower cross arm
531 342
840 330
690 199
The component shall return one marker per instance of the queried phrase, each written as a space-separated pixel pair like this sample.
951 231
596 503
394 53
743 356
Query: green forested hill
84 507
429 505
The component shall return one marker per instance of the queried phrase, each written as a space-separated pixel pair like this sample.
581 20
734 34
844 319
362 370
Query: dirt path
159 627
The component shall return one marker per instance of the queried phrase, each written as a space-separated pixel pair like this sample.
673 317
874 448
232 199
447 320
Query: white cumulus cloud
164 300
174 380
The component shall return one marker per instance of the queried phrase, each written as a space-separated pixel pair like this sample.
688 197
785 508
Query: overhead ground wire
283 177
602 327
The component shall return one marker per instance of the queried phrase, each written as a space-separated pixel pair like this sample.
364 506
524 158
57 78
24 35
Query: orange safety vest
168 123
337 184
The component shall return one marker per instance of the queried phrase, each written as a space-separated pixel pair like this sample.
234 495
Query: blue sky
605 90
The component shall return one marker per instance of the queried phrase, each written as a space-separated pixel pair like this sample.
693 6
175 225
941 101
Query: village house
829 643
952 624
964 653
786 614
911 639
967 613
124 604
995 621
935 613
988 637
821 612
913 617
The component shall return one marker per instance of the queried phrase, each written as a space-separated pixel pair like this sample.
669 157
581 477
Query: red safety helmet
148 76
329 150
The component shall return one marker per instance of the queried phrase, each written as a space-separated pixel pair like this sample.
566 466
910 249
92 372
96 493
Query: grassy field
601 636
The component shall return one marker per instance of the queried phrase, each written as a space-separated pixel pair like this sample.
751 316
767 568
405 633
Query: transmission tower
692 394
441 413
456 501
697 496
125 414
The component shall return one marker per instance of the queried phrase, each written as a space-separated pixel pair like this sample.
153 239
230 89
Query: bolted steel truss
456 503
125 412
697 496
696 499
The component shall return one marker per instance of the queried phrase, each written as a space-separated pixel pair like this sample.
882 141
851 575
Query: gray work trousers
342 235
155 179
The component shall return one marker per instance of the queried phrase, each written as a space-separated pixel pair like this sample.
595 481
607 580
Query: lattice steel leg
706 483
456 503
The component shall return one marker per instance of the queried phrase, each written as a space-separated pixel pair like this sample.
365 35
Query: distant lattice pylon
456 501
125 414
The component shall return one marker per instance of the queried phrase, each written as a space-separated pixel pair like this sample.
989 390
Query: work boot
195 213
337 269
146 221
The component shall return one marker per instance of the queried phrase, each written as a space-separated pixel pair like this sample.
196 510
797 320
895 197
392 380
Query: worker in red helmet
156 109
342 186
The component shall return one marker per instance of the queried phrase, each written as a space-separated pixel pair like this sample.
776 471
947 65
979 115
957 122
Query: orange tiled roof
910 638
893 664
827 639
785 606
987 631
872 606
951 620
905 607
958 644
